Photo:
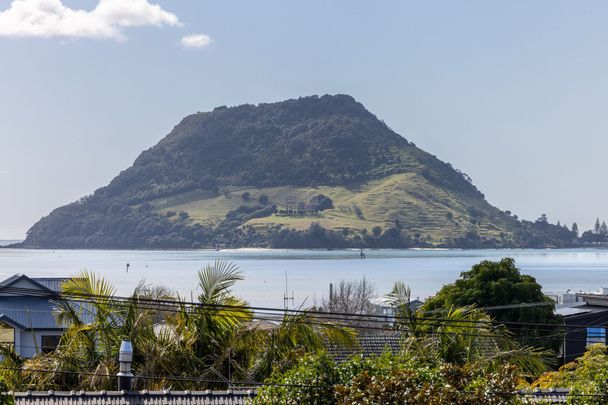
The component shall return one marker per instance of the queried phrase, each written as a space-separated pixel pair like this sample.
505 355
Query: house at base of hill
27 322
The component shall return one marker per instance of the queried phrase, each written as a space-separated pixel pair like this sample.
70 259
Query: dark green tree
376 231
499 284
597 226
604 229
575 229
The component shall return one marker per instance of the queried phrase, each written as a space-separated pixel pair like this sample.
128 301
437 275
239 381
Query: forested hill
311 172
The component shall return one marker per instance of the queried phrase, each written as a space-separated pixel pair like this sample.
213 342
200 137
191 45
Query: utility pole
331 297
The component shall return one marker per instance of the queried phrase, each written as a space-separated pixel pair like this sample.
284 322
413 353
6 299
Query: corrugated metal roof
51 283
26 311
37 312
580 310
570 311
29 312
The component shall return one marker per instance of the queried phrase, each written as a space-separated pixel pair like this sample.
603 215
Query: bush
311 382
389 379
5 398
587 377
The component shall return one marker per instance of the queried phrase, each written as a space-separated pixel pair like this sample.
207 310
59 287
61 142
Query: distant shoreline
6 242
261 250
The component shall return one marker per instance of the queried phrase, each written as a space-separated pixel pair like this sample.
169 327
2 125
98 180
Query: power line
425 322
172 303
171 306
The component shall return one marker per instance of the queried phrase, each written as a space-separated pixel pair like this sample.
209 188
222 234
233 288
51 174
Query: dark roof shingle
367 346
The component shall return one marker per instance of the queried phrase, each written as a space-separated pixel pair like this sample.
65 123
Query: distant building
586 322
26 314
565 299
384 308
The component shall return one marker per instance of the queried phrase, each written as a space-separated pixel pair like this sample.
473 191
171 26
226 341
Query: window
7 334
49 343
596 335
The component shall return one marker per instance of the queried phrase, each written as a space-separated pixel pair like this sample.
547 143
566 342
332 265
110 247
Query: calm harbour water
309 272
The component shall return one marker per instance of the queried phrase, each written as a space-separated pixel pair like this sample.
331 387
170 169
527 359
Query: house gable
22 285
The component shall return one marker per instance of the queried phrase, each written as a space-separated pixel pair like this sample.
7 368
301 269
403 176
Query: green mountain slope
311 172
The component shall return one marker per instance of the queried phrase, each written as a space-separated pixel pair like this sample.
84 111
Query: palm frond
215 280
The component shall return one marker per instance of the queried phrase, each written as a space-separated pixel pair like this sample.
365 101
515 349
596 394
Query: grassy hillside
420 208
186 191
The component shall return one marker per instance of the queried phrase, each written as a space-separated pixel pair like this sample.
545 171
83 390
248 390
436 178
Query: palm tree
214 340
462 335
405 316
207 332
468 335
96 323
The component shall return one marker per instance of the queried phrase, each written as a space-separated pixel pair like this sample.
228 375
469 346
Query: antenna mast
286 297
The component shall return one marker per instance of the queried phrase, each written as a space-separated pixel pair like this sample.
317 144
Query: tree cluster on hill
541 233
599 233
317 237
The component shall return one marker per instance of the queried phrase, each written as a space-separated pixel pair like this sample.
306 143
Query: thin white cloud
51 18
195 41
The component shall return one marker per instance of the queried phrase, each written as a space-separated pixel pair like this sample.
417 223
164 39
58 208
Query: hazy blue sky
514 93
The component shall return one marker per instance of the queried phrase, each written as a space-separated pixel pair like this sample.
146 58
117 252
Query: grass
421 208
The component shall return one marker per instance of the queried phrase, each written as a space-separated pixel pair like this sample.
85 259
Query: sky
512 93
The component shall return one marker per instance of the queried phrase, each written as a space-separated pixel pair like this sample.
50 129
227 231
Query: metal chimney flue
125 358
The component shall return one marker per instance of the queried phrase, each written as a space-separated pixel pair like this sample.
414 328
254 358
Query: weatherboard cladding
135 398
30 304
28 312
